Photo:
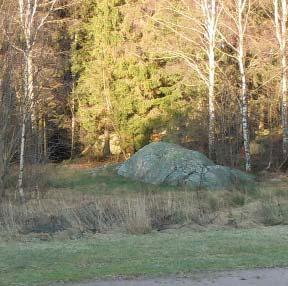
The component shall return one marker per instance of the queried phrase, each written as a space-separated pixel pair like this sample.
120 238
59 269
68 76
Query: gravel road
259 277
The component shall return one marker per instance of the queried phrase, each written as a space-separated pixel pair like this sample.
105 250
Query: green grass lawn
112 255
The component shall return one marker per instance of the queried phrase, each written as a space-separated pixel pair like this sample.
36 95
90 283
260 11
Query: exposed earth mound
166 163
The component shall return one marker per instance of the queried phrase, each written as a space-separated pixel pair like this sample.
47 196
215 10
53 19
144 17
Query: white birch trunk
284 102
211 108
284 76
45 143
73 123
245 118
280 22
241 26
211 24
21 162
207 28
30 28
27 106
1 164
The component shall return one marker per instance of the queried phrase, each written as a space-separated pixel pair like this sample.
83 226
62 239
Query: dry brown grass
134 214
138 214
54 210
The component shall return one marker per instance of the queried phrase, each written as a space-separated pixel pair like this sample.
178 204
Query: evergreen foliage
131 93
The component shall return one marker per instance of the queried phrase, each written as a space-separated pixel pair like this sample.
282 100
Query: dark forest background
98 80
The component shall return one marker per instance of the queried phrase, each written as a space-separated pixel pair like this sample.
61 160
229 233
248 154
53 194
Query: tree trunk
106 147
280 21
45 143
38 139
2 163
244 91
26 108
73 123
21 162
262 108
212 153
284 100
245 123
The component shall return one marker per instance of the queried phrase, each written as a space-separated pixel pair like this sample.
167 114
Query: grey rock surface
166 163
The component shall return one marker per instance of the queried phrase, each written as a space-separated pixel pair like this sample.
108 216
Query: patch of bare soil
259 277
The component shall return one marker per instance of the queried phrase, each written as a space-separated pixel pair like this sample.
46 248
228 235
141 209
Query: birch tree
239 15
209 8
33 15
205 26
243 7
280 23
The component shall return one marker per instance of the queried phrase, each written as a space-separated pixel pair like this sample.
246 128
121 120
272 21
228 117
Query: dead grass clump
204 211
97 216
237 199
63 210
167 210
9 217
272 212
138 220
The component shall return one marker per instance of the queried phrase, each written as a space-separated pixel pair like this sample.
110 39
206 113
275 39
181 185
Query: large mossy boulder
166 163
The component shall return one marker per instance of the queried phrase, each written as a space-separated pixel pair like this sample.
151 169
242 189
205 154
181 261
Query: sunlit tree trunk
45 142
26 107
21 162
205 25
284 101
244 109
30 22
209 9
280 21
241 19
244 91
239 15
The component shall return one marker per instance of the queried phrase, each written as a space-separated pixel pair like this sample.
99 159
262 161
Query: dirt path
259 277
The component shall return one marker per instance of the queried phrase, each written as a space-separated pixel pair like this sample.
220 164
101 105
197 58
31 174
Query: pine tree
118 91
